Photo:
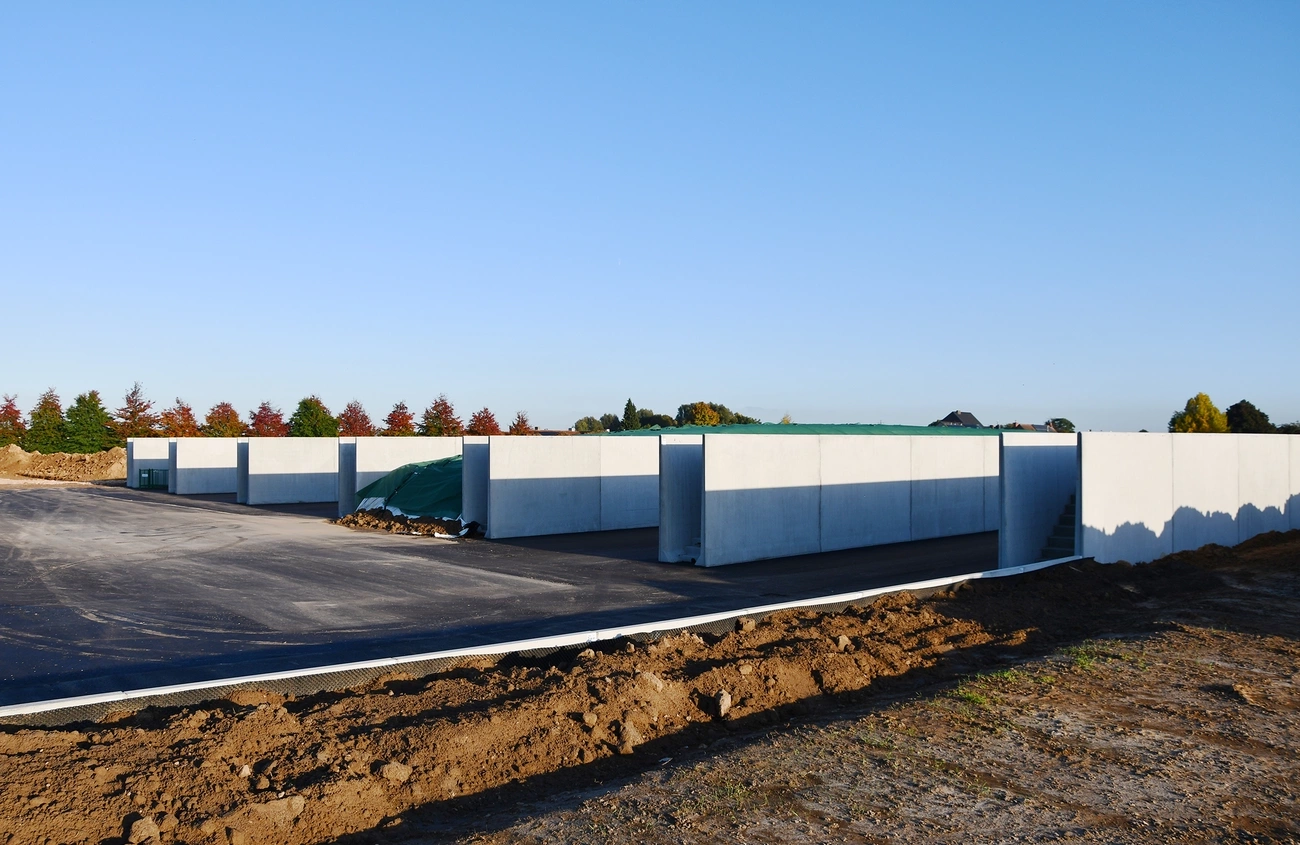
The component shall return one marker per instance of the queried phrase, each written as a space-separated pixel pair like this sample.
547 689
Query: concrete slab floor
104 589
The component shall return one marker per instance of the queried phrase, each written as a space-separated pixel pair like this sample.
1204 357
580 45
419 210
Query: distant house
959 419
1028 427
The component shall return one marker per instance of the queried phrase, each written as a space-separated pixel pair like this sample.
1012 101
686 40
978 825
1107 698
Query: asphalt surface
105 589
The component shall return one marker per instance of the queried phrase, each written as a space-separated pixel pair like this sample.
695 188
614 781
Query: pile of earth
424 759
380 519
61 466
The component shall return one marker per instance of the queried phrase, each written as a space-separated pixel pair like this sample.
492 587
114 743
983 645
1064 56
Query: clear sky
865 211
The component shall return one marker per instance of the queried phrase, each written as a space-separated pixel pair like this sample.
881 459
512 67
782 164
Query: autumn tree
46 428
699 413
786 419
1200 414
223 420
12 427
440 419
266 421
483 422
521 425
1245 418
631 419
588 425
89 425
312 419
400 422
136 417
179 421
355 422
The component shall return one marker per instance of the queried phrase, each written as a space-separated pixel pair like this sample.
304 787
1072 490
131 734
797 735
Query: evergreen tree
611 422
178 421
266 421
12 427
355 422
1200 414
136 418
483 423
1245 418
440 419
400 422
46 429
631 419
223 420
312 419
89 426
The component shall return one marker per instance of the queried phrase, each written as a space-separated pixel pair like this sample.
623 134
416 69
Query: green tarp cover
813 428
431 488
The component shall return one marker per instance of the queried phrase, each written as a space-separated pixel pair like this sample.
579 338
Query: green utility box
153 479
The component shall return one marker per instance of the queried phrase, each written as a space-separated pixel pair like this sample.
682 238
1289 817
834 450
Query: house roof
961 418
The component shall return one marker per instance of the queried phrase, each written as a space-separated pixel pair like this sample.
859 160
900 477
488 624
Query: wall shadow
1189 529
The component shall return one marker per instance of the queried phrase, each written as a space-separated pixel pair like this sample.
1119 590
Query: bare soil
16 464
385 521
1156 703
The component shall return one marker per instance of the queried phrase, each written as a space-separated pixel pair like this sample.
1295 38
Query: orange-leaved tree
1200 414
136 417
179 421
521 425
400 422
355 422
223 420
266 421
440 419
12 427
483 423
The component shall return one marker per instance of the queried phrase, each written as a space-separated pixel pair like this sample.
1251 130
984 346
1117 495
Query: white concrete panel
992 491
543 485
1205 490
171 465
947 486
681 488
1126 499
375 457
286 470
866 491
761 497
474 485
205 465
1293 497
629 482
144 453
1263 483
1038 473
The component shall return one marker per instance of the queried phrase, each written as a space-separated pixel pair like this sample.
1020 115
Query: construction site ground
1084 702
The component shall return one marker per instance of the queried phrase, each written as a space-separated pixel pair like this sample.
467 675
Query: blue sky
846 212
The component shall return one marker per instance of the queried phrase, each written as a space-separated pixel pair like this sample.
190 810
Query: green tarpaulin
431 488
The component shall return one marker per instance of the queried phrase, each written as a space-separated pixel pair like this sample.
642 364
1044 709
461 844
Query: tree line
634 418
88 426
1200 414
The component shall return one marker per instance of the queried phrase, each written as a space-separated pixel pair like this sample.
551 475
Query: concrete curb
515 646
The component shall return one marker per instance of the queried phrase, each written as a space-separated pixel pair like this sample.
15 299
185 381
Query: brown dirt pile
380 519
424 759
100 466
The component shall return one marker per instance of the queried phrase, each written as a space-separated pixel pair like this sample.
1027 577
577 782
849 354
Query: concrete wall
563 485
1038 475
204 465
767 496
241 471
474 478
1142 496
365 460
171 465
285 470
144 453
681 496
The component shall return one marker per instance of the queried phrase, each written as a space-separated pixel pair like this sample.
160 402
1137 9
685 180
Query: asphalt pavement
105 588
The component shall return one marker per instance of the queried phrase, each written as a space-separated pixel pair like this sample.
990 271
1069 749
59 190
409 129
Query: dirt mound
380 519
258 768
60 466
